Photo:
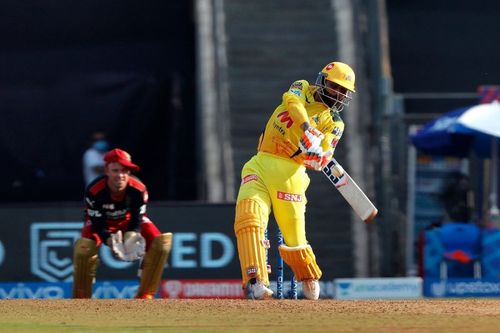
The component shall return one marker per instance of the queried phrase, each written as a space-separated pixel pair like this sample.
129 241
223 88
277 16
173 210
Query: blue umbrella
484 119
446 136
462 131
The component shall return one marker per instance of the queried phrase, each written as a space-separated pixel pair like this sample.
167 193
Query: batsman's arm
298 113
294 100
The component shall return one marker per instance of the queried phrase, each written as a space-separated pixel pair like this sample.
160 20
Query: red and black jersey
105 212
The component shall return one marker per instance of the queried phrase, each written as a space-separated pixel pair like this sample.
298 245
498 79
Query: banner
55 290
462 288
378 288
218 288
38 245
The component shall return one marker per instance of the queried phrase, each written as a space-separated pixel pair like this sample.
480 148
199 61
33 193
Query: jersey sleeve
138 206
294 100
332 126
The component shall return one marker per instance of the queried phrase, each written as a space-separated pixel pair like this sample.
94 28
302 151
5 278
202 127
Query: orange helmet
336 84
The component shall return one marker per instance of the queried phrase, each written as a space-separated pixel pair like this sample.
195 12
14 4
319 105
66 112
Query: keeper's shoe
310 288
259 291
145 296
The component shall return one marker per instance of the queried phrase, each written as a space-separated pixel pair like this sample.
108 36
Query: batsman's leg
85 261
249 227
153 264
302 261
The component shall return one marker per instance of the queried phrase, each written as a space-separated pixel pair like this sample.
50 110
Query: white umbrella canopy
485 118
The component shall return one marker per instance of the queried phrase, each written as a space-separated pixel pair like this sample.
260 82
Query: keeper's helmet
335 85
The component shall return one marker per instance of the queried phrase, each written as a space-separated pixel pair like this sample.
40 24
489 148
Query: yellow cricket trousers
278 184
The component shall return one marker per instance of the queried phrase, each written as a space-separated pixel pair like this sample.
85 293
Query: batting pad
85 262
302 261
153 264
249 232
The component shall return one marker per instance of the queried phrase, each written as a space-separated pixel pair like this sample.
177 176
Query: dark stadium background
68 68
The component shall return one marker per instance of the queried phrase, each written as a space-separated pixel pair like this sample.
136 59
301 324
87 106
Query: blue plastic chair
462 249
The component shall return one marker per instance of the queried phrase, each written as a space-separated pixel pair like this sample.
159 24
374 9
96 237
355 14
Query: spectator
455 197
93 163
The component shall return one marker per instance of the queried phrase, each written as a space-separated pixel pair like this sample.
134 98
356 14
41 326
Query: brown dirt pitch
161 315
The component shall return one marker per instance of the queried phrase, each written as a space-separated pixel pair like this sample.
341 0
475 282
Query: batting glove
311 140
317 161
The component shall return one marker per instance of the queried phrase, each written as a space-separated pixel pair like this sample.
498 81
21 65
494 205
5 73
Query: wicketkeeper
115 215
302 133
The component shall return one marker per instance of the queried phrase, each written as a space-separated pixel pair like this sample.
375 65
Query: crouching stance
115 215
301 134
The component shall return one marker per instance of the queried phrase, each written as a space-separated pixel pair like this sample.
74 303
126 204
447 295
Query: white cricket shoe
259 291
311 289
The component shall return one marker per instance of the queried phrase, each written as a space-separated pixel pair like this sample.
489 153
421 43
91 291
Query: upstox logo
52 248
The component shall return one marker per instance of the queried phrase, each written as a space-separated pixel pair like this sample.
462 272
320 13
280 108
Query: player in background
302 132
115 215
92 160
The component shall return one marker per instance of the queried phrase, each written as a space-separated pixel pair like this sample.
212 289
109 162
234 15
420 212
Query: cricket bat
351 192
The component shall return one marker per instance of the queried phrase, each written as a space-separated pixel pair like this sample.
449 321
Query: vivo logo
109 290
22 291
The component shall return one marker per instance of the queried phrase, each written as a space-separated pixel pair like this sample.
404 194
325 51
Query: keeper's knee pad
153 264
252 246
85 261
302 261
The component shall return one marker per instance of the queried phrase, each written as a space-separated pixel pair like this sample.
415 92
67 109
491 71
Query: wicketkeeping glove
117 247
135 245
133 248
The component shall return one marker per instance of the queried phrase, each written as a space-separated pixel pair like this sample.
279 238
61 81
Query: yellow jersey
283 131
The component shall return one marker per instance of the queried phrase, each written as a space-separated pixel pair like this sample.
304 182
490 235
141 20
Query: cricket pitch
217 315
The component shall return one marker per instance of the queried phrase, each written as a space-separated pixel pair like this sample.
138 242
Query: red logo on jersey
248 178
289 196
252 271
285 118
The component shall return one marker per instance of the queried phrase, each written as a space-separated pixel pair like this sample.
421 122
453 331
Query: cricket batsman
302 132
115 215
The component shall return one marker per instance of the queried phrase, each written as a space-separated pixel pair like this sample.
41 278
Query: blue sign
44 290
462 288
52 290
41 250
